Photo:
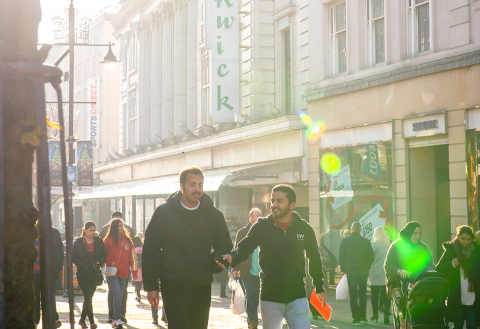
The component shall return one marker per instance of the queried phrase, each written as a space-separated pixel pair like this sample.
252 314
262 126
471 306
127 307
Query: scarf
466 258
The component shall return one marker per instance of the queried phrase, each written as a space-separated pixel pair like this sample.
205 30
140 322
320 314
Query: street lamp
110 60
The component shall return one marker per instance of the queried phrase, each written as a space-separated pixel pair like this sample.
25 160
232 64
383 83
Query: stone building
397 84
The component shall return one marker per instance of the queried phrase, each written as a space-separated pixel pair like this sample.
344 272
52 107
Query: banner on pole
92 118
55 164
85 167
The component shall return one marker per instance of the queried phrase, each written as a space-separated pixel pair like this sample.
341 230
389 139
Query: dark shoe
364 320
253 325
110 320
124 319
155 322
356 322
315 316
82 324
374 318
58 324
93 326
386 321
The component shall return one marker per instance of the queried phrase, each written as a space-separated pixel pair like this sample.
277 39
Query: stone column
167 70
192 48
144 69
156 78
180 66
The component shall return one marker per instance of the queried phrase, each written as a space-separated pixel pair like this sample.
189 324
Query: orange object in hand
325 311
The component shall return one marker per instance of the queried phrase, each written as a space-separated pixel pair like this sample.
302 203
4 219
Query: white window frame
333 39
132 120
370 35
412 14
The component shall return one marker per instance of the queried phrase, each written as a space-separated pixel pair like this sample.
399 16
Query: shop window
362 190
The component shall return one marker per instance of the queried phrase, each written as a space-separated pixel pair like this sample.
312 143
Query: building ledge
259 130
392 73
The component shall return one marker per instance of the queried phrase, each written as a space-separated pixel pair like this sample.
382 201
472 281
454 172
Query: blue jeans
296 313
466 313
118 288
251 287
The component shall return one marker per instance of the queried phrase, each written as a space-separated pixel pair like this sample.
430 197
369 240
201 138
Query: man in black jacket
248 272
178 250
284 240
356 258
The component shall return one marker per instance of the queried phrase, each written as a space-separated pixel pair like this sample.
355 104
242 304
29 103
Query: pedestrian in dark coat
88 254
460 263
356 258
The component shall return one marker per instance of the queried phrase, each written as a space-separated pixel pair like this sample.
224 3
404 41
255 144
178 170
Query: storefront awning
155 186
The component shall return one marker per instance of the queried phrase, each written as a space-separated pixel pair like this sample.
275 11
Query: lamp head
110 60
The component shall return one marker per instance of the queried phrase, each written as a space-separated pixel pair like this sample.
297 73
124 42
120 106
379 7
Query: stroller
422 302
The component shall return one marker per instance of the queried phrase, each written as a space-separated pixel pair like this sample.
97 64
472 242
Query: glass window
423 27
139 211
379 40
149 210
338 38
362 190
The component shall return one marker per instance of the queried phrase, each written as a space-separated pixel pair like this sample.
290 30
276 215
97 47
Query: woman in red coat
120 254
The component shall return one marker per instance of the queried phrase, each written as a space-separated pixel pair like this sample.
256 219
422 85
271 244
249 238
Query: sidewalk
139 314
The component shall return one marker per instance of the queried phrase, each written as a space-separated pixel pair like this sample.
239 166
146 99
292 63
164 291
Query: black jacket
356 253
81 257
58 251
282 258
182 244
104 230
452 274
246 266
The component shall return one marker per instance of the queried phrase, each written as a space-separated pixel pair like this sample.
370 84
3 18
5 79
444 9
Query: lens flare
330 163
305 118
414 259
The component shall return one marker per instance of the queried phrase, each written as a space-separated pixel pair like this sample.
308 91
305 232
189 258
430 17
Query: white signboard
425 126
92 117
371 220
223 37
341 188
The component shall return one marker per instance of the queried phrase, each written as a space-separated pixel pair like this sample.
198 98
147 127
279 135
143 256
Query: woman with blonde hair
380 245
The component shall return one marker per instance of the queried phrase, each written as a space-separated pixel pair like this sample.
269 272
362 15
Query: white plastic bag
342 289
237 304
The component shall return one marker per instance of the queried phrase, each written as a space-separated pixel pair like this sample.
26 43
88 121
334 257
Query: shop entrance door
430 194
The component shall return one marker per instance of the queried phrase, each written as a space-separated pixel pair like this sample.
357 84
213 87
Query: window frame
412 11
371 40
333 39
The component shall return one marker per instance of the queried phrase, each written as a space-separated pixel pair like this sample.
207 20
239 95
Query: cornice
287 11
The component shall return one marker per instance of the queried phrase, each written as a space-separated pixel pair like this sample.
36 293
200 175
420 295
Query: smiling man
178 251
284 240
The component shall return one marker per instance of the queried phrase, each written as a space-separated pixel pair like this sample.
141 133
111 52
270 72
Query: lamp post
110 62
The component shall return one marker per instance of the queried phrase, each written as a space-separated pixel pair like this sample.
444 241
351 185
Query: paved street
139 315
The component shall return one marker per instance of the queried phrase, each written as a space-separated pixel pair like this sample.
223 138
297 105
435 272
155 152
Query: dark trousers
222 278
88 290
124 300
138 287
380 291
37 285
357 287
186 307
466 314
155 314
251 287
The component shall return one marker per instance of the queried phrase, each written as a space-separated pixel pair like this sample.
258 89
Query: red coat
127 257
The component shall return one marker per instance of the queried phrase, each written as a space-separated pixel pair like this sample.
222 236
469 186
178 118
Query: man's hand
228 258
322 296
455 262
404 274
236 274
152 297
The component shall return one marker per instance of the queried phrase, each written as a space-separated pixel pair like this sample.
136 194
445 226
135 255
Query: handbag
96 273
112 270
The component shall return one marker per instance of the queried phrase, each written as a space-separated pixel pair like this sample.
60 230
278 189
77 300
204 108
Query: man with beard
184 241
284 238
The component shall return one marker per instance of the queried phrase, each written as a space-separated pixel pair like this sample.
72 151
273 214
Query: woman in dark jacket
460 263
88 254
406 257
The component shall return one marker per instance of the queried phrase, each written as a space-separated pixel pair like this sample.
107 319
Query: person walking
183 241
248 273
355 258
58 265
380 245
88 254
120 256
284 240
103 233
460 263
138 244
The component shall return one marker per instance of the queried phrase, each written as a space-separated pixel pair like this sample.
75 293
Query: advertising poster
55 164
92 117
85 167
370 163
341 188
72 174
371 220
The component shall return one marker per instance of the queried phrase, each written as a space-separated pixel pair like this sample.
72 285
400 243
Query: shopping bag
342 289
237 304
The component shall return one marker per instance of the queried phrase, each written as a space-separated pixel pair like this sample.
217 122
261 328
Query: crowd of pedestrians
187 242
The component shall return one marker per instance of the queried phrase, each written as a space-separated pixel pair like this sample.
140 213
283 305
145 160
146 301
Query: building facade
397 85
165 106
